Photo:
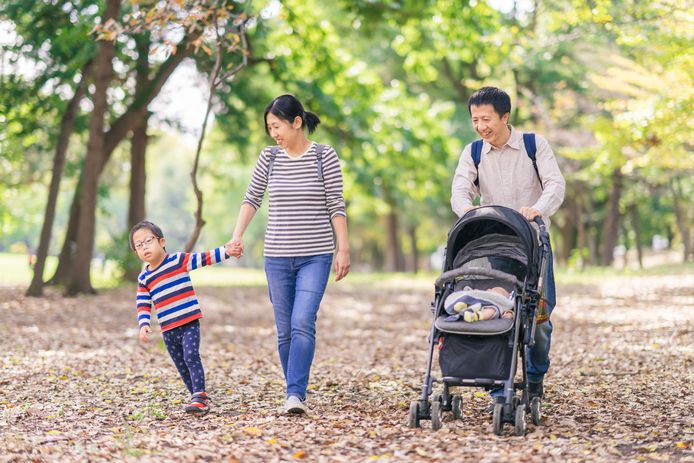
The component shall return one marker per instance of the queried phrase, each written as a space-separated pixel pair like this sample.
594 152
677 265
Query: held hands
529 213
144 334
341 265
234 248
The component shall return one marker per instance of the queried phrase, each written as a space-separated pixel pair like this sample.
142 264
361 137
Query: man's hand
529 213
144 334
469 208
341 265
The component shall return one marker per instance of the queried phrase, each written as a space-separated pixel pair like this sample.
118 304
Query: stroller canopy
500 236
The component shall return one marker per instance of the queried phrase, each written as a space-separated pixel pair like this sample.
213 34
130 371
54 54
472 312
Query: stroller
489 246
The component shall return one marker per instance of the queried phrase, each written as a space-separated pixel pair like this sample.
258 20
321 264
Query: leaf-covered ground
76 386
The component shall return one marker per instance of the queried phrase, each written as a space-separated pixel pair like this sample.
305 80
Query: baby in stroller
474 305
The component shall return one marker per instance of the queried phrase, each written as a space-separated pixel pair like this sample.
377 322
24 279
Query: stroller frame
510 408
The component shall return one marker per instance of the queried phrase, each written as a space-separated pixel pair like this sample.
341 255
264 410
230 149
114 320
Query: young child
165 284
474 305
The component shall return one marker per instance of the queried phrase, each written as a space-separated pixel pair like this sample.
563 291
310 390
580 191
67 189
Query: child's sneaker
199 404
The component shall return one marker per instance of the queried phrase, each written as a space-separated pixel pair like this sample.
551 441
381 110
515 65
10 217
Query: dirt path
76 386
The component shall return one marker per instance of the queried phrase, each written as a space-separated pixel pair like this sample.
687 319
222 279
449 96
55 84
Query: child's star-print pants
183 344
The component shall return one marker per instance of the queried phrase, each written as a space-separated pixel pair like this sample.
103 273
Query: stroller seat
480 328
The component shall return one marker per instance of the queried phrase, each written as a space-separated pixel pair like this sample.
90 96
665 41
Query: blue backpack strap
476 153
319 160
273 155
531 149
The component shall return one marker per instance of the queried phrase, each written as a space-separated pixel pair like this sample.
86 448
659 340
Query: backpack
319 158
530 148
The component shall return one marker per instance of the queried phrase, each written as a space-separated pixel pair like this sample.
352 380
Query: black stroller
489 246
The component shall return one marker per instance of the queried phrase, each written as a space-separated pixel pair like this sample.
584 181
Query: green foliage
608 82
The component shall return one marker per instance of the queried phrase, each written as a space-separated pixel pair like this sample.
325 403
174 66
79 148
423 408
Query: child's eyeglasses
145 243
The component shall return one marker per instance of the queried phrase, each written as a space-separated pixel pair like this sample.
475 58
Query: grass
16 272
596 274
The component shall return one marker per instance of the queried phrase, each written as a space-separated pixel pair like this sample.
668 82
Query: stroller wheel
457 407
436 416
497 422
520 421
535 412
413 421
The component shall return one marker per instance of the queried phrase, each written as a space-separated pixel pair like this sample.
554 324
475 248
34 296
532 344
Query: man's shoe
535 390
489 409
295 405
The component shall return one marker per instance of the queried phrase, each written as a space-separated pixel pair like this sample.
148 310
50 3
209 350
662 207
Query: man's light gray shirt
507 178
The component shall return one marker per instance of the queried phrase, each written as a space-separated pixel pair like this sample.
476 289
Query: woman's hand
234 247
341 265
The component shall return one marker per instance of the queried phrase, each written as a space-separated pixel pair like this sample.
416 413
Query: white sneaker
295 405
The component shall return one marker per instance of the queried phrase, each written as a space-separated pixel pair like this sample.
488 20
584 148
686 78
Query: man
507 176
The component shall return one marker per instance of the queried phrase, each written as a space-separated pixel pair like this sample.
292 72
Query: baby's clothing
476 299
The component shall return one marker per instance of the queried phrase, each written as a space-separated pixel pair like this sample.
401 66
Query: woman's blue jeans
296 286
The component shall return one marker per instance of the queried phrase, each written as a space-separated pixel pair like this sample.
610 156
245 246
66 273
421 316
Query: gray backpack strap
273 155
319 160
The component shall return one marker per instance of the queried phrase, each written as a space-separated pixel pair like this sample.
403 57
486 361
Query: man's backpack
319 158
530 148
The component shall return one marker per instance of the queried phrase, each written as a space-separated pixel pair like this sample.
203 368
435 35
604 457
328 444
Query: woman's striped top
301 205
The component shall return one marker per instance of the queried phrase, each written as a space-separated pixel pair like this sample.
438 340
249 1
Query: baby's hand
144 334
233 248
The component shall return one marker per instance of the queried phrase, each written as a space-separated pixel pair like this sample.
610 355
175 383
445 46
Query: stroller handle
544 237
451 275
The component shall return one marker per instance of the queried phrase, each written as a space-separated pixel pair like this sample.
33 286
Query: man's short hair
492 96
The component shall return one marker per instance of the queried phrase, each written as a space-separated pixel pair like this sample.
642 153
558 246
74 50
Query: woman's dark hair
288 107
493 96
156 231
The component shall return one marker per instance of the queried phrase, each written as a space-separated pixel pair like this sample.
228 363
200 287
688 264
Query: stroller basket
464 356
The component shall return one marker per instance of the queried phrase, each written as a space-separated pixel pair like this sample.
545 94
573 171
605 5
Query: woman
306 220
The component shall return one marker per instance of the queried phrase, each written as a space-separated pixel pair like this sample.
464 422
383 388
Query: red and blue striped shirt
168 288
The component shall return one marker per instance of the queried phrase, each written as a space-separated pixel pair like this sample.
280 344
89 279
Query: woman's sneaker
199 404
295 405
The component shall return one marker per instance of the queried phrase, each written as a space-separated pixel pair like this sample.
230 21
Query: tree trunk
412 232
634 215
625 237
396 260
611 227
681 219
117 132
66 125
138 176
580 225
79 280
67 253
138 149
